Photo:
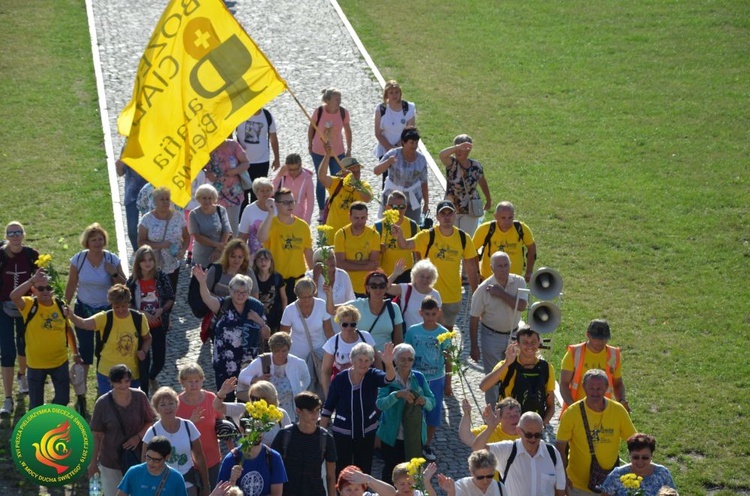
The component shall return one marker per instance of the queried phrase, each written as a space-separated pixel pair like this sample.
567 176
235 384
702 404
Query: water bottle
232 162
95 485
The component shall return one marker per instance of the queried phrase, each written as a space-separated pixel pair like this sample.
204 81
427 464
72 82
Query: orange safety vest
579 351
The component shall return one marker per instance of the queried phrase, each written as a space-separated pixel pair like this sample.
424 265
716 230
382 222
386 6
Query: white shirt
529 476
253 136
466 487
493 311
342 291
410 312
291 318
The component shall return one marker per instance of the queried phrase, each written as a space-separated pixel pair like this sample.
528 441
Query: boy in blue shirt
154 476
429 358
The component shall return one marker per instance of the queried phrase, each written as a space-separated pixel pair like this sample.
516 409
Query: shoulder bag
128 458
314 359
596 473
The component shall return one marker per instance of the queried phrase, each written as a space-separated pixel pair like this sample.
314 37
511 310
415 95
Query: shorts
435 416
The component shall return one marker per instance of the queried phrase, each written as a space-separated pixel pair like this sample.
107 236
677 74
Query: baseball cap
599 329
350 162
445 204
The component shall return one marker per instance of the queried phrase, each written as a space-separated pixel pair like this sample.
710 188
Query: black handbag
596 473
128 458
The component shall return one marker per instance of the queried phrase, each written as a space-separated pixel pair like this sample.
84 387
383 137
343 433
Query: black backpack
461 233
137 321
514 451
35 307
493 225
194 300
529 388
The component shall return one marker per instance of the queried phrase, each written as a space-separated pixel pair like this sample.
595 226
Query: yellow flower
43 261
348 180
444 336
390 217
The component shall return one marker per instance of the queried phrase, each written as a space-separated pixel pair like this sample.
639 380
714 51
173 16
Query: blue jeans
333 167
131 217
60 381
11 339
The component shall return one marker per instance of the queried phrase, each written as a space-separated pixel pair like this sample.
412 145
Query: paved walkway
310 47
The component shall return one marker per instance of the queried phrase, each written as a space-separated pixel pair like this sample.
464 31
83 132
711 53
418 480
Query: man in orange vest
595 353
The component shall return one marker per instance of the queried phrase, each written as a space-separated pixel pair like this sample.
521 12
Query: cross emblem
201 38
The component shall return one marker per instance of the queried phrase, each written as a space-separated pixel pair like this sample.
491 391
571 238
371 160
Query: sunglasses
398 207
531 435
154 460
13 234
645 458
377 286
44 288
353 325
483 477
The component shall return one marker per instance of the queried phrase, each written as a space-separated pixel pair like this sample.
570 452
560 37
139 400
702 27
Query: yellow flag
199 77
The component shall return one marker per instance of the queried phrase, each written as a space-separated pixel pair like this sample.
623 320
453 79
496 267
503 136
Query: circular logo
52 445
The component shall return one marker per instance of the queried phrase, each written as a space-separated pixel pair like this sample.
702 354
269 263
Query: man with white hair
528 465
496 305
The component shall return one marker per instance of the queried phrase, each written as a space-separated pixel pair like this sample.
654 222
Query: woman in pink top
330 119
196 404
300 182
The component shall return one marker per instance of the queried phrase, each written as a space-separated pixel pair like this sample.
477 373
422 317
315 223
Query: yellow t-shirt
508 242
446 253
122 344
390 252
497 435
608 428
46 340
338 214
356 248
549 387
591 360
287 244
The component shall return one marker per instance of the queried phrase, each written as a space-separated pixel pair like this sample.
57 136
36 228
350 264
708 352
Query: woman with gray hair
463 175
240 326
255 213
352 396
403 429
424 274
209 225
482 465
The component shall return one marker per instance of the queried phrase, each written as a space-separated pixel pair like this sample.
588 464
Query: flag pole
309 118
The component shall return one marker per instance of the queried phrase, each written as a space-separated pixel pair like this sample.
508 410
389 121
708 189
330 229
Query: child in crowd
430 360
410 295
271 288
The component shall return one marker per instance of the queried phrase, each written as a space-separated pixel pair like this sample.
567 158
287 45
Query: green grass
54 174
620 132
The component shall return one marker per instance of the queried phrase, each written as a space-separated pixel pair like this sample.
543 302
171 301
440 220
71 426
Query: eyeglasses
645 458
398 207
286 202
13 234
154 460
44 288
353 325
484 477
377 286
531 435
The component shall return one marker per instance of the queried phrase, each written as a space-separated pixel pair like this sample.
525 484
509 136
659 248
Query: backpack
35 307
336 342
404 108
107 258
403 303
286 432
432 240
493 225
194 300
137 321
412 225
529 388
512 457
342 111
238 458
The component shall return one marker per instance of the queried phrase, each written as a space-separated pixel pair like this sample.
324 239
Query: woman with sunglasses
337 348
378 316
641 448
406 169
481 482
17 264
403 429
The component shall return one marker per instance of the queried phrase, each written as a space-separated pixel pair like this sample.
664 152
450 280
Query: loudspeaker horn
544 317
546 283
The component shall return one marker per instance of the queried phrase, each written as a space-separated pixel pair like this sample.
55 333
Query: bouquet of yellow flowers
352 182
261 417
44 262
325 240
632 484
453 355
415 471
390 218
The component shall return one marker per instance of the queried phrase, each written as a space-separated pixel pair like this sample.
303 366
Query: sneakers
7 408
23 384
428 454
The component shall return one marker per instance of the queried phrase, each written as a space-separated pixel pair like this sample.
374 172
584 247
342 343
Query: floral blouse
156 228
462 184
